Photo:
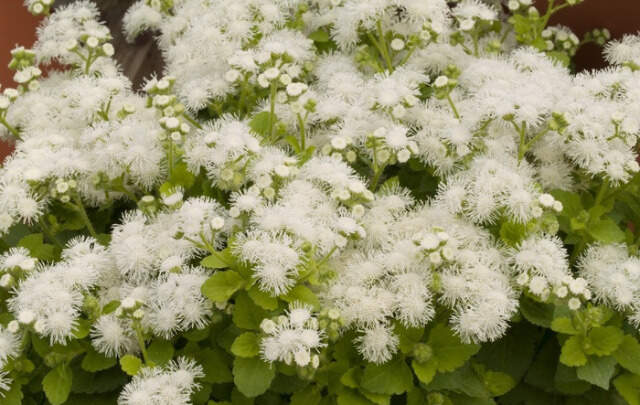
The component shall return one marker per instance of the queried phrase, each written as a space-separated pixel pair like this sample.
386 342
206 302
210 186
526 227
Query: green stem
85 218
522 147
383 46
88 62
407 56
272 108
536 138
170 157
191 121
10 128
604 187
48 233
302 133
141 342
453 106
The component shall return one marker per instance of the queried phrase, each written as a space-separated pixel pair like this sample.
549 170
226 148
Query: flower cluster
320 200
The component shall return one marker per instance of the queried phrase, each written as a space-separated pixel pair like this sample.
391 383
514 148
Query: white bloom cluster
543 268
172 384
613 275
293 337
296 177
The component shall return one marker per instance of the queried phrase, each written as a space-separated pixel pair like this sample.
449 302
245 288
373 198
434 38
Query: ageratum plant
344 202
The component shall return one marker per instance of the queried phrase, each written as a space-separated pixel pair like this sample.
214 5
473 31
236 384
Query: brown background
141 59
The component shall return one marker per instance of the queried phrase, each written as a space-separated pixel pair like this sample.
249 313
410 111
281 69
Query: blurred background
142 58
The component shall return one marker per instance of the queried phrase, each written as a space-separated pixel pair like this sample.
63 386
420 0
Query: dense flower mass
321 202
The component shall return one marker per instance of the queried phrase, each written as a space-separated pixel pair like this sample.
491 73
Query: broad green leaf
94 361
263 299
350 397
130 364
246 345
219 260
13 396
252 376
393 377
463 380
628 385
498 383
308 396
303 294
564 325
598 371
222 285
603 340
181 176
448 349
160 351
628 354
378 399
34 243
567 382
319 35
572 353
425 371
606 231
57 384
511 233
215 365
246 314
537 313
260 123
352 377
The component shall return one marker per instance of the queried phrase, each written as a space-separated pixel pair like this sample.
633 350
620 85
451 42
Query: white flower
441 81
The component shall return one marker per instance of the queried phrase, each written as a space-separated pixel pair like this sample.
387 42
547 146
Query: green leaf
498 383
449 350
564 325
425 371
537 313
352 377
572 353
303 294
511 233
350 397
160 351
130 364
628 354
222 285
246 314
263 299
606 231
215 366
181 176
252 376
463 380
394 377
94 361
110 307
219 260
34 243
57 384
598 371
567 382
308 396
628 385
260 123
82 329
14 396
319 35
603 340
246 345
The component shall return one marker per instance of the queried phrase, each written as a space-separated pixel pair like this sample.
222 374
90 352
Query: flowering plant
341 202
